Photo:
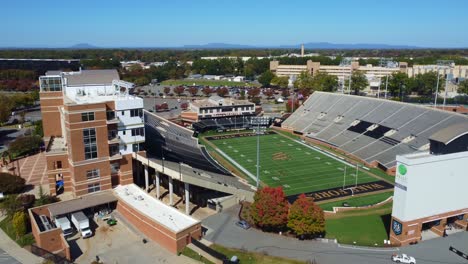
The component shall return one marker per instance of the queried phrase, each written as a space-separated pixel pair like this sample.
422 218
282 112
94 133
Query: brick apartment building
91 126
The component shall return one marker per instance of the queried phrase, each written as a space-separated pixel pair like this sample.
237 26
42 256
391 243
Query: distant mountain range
310 45
219 45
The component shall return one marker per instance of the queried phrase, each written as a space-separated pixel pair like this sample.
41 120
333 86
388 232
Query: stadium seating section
222 123
369 128
176 143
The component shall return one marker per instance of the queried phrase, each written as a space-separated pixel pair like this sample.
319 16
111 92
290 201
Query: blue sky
169 23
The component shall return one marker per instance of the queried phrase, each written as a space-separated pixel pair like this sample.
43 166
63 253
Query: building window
94 187
115 168
135 147
138 131
92 174
89 116
136 112
50 84
58 164
89 140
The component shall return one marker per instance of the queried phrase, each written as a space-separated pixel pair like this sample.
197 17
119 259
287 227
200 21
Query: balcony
114 140
114 120
57 145
111 118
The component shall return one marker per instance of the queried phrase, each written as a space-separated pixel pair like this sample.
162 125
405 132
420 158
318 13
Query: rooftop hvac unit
45 222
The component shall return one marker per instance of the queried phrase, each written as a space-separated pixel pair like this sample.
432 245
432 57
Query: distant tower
302 50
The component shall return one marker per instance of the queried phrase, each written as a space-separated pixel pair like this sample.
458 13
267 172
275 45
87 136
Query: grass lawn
206 82
365 227
284 162
253 257
358 201
194 255
7 227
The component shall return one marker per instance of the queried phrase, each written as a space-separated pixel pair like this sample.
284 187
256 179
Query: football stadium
292 164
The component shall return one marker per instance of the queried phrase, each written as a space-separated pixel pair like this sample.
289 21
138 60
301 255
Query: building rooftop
91 77
57 145
450 133
153 208
215 101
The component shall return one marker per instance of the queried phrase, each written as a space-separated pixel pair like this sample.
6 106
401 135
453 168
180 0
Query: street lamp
259 126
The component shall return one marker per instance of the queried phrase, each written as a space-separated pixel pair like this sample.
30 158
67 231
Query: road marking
369 249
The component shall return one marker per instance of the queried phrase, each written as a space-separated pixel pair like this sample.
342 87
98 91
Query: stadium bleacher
176 143
369 128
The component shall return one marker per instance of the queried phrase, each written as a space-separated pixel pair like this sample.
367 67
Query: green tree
10 183
6 105
463 87
358 82
24 145
38 129
265 78
281 82
269 210
305 81
426 83
305 217
325 82
397 82
10 205
19 224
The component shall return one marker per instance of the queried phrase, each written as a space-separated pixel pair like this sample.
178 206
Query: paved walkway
18 254
222 230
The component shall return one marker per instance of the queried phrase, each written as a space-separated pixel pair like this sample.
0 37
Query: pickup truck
403 258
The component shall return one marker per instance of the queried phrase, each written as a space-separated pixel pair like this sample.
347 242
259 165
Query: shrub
26 200
10 205
19 223
10 183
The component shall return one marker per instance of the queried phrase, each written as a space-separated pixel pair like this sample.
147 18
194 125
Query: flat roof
448 134
153 208
90 77
85 201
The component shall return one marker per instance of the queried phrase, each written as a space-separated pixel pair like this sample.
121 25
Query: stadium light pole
437 87
357 171
344 177
386 86
259 125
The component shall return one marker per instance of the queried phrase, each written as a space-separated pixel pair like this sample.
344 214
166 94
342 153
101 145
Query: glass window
89 140
94 187
92 174
89 116
138 131
136 112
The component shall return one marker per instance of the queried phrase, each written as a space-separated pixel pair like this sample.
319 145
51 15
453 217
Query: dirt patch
280 156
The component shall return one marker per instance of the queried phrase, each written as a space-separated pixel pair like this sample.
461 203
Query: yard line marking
275 178
317 158
236 150
328 163
308 153
286 186
298 148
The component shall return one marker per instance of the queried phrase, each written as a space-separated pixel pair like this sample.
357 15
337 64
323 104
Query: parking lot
120 244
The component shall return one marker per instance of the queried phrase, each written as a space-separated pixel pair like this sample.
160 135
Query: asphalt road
222 230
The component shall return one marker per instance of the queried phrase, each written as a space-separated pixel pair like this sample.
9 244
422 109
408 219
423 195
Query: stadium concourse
373 130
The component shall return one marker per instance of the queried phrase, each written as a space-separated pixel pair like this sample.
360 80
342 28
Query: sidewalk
15 251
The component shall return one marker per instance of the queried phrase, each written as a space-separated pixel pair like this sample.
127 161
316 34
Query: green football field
283 162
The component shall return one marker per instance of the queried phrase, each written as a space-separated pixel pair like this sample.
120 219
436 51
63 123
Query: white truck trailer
81 223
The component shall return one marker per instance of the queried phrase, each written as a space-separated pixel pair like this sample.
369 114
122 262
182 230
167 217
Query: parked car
403 258
243 224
